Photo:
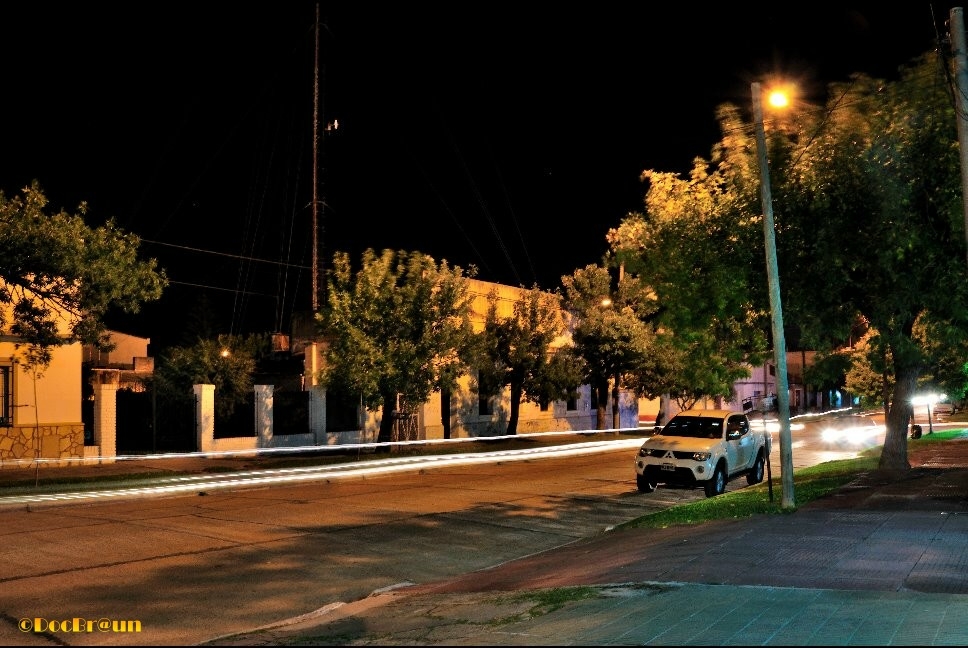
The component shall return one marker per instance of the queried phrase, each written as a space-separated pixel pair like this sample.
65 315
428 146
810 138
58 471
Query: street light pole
788 501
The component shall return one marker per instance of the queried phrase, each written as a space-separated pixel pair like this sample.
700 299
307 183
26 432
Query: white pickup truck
705 448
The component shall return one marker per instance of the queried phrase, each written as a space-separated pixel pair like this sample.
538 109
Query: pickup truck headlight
645 452
701 456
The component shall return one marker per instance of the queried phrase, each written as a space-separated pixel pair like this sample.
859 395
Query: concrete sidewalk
881 562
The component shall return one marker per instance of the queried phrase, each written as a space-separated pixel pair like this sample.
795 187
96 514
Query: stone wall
23 444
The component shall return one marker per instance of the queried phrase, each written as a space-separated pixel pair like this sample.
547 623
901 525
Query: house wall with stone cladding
46 418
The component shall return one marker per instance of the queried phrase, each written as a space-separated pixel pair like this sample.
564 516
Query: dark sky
509 136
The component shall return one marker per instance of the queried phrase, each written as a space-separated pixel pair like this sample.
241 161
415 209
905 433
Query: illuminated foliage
60 277
227 362
870 199
516 352
398 326
698 248
613 335
869 224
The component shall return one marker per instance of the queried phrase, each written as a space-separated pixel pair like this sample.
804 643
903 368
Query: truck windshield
694 426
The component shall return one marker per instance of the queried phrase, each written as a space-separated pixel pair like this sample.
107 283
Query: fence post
263 414
204 417
106 413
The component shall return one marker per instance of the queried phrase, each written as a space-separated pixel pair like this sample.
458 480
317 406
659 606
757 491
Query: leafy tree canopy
59 277
398 326
227 362
517 352
699 248
869 224
613 335
869 374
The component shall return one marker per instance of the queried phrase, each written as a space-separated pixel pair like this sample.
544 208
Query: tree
399 326
60 277
869 372
516 352
227 362
947 372
612 336
698 249
869 224
828 372
687 377
869 204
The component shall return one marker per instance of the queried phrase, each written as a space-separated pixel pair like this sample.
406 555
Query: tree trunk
601 407
885 390
616 414
516 392
386 423
445 411
660 416
894 454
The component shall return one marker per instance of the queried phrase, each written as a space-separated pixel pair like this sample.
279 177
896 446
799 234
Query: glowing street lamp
788 500
779 98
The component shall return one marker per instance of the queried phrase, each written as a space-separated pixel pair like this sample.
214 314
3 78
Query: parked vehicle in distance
943 409
706 448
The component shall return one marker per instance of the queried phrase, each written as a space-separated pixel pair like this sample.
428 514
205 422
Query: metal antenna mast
316 170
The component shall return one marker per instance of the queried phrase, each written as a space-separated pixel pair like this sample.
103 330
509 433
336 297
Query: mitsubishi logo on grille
668 455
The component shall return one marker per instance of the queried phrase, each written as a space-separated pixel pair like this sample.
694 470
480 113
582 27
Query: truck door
739 443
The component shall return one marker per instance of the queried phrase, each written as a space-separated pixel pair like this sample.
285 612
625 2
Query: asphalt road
191 567
204 562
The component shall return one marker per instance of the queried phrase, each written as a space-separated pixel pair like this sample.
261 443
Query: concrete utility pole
787 501
956 25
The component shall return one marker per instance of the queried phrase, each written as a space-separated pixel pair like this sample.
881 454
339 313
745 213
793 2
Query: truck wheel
755 475
716 485
644 483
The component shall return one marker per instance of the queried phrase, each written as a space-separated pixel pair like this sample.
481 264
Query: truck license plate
668 466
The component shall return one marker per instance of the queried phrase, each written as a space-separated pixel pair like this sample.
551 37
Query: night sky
507 136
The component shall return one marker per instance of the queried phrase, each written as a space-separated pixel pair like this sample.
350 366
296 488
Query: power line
226 254
231 290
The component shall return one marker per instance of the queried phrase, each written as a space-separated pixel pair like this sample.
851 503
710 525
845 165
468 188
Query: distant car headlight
701 456
832 434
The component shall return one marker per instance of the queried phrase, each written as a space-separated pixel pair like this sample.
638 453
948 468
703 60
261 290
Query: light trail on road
178 485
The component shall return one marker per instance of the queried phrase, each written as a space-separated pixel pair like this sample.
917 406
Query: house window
572 404
6 396
485 395
484 405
